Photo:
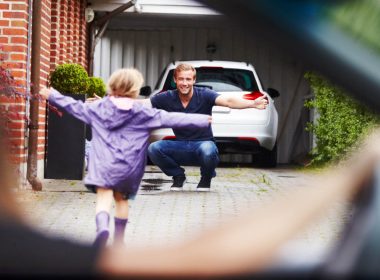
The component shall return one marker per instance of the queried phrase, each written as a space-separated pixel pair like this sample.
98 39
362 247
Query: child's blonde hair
125 82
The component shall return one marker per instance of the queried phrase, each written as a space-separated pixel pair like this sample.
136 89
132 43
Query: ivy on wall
341 123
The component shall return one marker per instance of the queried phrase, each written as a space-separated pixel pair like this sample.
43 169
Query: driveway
159 216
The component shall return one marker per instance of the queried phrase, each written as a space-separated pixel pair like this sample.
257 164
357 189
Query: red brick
13 48
4 6
19 7
17 142
4 23
19 40
18 56
14 65
41 133
19 23
14 15
15 31
16 133
18 74
16 125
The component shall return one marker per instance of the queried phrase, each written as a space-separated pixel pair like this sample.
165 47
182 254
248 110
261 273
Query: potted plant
96 86
64 154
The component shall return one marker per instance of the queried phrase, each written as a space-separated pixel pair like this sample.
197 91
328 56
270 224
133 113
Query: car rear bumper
246 145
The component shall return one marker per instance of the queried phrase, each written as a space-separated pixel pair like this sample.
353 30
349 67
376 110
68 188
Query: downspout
34 101
27 102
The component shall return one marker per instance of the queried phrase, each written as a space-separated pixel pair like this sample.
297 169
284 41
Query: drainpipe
34 101
28 83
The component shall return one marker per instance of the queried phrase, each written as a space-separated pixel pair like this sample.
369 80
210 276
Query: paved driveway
161 217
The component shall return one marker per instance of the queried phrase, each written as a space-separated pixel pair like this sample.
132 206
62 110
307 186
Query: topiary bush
96 86
69 78
341 123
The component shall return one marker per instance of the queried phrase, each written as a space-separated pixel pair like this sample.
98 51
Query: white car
235 130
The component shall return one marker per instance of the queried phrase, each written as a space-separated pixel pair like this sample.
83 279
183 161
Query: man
192 146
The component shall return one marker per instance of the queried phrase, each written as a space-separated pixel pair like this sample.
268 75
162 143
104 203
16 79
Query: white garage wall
151 44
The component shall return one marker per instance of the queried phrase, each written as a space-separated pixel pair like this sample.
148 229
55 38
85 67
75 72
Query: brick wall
69 37
63 39
13 40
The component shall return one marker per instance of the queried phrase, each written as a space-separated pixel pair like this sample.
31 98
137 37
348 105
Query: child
120 132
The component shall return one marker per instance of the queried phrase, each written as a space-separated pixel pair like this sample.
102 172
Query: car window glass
220 79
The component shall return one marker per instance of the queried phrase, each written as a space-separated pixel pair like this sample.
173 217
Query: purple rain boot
102 233
120 225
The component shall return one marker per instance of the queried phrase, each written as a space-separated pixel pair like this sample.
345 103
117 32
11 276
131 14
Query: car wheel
267 158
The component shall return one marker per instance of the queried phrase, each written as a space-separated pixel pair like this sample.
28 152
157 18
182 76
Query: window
220 79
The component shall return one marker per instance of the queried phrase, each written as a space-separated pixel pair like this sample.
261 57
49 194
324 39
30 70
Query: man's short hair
184 67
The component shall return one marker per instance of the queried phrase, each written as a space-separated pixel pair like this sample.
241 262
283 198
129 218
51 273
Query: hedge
341 123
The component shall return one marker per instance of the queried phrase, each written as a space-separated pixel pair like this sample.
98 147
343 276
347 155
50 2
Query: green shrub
96 86
342 121
69 78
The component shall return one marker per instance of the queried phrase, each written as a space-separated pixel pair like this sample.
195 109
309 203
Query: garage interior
152 37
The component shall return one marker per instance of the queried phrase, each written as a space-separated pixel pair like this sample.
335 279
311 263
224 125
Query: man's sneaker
178 182
204 184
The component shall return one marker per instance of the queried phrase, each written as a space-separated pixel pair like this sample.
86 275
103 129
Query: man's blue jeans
169 155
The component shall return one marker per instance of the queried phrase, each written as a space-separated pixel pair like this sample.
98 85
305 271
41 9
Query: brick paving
159 216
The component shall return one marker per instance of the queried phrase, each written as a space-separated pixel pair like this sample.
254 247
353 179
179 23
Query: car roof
214 63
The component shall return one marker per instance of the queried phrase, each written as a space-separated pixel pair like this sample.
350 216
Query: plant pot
65 145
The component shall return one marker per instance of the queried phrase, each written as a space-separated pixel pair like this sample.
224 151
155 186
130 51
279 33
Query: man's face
185 81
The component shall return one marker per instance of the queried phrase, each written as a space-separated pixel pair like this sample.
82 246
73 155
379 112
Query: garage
152 34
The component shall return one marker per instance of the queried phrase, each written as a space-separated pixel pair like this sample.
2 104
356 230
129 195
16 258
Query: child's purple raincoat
117 157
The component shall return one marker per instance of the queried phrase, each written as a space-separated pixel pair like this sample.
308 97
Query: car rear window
220 79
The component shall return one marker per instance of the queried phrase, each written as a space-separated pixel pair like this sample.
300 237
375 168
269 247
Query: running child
120 130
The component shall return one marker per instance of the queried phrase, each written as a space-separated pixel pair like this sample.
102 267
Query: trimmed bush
96 86
342 120
69 78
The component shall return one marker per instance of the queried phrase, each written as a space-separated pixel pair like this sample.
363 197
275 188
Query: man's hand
92 99
261 102
45 92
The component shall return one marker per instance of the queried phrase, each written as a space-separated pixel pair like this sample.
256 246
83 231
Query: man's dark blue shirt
202 101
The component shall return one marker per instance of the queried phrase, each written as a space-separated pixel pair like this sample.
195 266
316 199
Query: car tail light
254 95
253 139
169 137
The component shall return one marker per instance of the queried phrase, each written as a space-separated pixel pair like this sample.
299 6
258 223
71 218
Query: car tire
267 158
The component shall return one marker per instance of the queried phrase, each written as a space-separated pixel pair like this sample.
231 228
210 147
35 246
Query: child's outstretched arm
161 118
74 107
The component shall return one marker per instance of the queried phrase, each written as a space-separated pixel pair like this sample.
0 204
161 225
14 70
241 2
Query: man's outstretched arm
234 102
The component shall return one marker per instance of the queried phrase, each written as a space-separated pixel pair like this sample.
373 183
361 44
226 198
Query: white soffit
186 7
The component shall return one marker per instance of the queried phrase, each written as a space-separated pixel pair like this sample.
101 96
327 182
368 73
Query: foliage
342 120
12 93
96 86
69 78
